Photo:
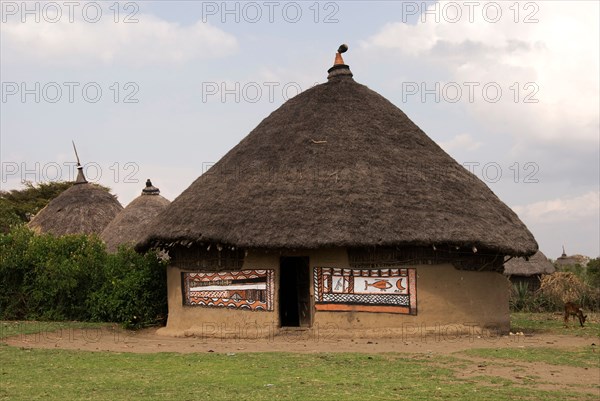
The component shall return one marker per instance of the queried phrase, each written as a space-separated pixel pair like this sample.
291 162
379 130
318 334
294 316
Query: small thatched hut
130 224
82 209
571 260
337 211
521 270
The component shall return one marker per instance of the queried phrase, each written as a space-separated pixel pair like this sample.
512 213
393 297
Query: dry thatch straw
129 225
537 264
565 286
339 165
82 209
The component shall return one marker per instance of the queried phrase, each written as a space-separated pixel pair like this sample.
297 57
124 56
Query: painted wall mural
366 290
244 289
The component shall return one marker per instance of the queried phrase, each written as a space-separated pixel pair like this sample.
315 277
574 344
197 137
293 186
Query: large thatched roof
130 224
84 208
339 165
537 264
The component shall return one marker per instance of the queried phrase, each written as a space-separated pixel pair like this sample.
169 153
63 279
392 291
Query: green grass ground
553 323
71 375
10 329
584 357
44 374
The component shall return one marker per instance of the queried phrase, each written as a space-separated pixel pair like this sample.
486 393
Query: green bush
523 299
133 291
593 273
73 278
66 270
520 297
16 271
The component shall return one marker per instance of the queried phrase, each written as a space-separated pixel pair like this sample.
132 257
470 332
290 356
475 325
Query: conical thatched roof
130 224
339 165
537 264
82 209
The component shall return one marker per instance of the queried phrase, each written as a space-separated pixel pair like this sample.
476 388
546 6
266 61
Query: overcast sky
161 90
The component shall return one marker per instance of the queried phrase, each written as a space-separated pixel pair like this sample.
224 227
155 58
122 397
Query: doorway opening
294 294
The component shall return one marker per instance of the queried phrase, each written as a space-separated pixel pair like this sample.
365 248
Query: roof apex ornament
150 189
339 67
80 176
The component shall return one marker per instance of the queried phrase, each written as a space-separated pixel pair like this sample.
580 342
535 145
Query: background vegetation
43 277
579 284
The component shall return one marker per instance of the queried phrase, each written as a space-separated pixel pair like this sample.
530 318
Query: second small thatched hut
129 225
528 271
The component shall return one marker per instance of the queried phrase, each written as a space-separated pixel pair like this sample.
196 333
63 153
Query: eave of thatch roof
537 264
129 225
82 209
339 165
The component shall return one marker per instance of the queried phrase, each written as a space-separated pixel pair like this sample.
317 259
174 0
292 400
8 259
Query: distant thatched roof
537 264
339 165
130 224
572 260
82 209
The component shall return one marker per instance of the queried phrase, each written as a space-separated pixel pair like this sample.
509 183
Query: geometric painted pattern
245 289
392 290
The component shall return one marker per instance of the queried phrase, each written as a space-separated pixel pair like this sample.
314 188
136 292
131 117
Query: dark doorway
294 295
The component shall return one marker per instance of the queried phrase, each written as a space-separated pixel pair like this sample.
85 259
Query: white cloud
460 142
559 54
151 40
585 207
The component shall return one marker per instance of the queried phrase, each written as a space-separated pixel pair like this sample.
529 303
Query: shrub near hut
133 291
47 277
72 277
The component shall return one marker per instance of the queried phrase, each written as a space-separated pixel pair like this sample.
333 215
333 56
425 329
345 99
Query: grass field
553 323
52 374
584 357
10 329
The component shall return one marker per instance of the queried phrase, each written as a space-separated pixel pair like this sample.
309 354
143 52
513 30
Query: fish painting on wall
373 290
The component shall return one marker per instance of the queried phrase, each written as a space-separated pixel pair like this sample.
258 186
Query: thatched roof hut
84 208
537 264
130 224
326 214
571 260
339 165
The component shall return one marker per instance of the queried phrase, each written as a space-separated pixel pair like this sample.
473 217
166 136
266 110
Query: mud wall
447 299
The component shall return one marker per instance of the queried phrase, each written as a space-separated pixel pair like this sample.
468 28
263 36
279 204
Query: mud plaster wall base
445 297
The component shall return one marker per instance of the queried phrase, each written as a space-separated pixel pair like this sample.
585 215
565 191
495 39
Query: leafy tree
20 205
593 273
8 216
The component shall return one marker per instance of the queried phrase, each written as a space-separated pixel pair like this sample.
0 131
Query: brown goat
572 309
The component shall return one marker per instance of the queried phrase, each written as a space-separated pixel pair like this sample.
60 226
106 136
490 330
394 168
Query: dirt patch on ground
115 339
538 375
